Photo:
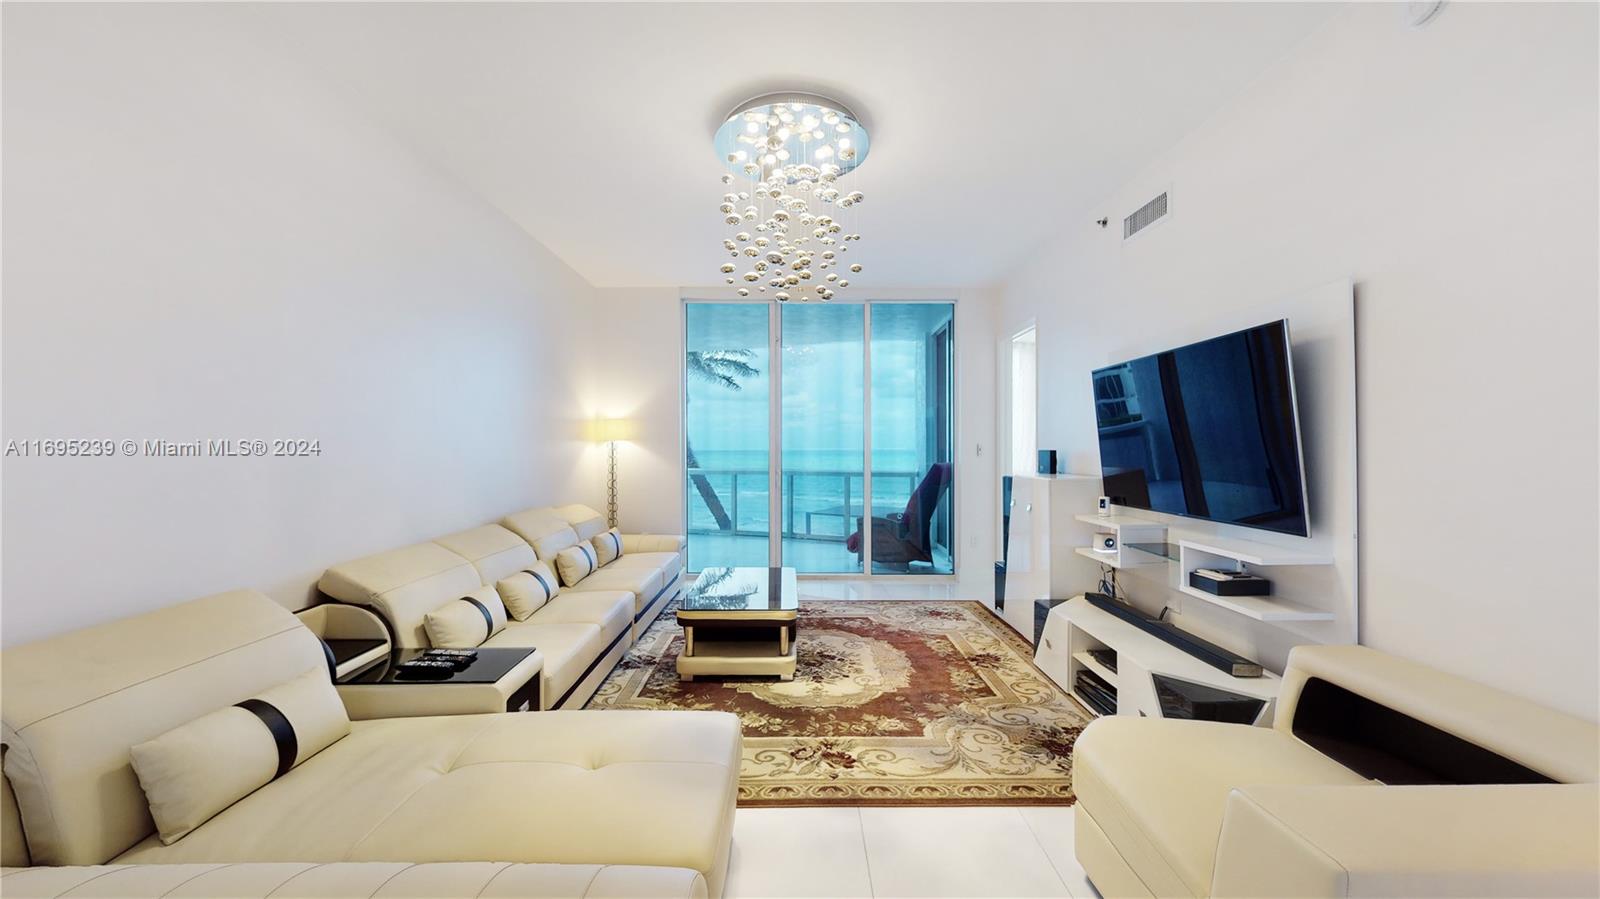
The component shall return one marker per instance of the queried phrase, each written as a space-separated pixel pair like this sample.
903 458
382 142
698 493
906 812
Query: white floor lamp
609 431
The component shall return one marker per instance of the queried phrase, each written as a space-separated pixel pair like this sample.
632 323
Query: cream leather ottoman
498 680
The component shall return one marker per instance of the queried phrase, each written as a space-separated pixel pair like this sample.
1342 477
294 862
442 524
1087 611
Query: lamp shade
607 430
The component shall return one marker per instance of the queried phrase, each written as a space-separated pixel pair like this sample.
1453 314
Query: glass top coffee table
739 621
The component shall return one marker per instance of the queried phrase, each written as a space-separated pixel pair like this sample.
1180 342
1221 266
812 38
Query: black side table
500 679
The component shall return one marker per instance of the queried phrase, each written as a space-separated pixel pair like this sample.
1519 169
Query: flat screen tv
1207 430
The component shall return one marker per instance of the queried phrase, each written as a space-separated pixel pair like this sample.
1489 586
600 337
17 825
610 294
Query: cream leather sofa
581 633
343 880
1380 777
614 788
651 567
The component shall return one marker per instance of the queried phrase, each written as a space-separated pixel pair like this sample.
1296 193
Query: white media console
1149 675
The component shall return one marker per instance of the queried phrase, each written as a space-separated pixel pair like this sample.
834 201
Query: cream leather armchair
1380 777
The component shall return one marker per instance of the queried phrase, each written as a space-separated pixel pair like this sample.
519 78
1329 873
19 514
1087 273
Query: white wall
1450 171
198 244
642 382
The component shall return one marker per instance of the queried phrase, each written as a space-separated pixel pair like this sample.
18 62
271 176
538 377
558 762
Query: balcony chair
902 538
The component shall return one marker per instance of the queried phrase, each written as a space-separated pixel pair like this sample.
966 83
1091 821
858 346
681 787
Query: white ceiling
994 126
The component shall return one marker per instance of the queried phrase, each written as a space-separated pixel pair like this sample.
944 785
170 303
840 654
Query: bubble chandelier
790 217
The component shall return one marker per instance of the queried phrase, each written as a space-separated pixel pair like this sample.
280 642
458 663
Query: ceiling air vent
1145 216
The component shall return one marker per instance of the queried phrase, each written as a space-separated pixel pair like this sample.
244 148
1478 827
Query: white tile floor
1008 851
989 851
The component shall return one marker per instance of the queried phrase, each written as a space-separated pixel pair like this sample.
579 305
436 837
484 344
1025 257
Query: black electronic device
1229 583
1210 653
1095 692
1209 430
458 657
426 669
1047 461
1106 657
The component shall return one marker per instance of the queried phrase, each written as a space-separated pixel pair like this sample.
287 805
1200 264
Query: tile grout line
866 854
1048 857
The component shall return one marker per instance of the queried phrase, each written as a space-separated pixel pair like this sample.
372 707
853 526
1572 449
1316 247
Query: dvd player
1210 653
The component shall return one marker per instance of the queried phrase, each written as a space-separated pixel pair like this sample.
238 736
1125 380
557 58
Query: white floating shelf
1261 608
1117 522
1102 558
1124 559
1252 553
1089 662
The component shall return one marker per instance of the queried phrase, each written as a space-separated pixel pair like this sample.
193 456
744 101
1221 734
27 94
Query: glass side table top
732 591
491 664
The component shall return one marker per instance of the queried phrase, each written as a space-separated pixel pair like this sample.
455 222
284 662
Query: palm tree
725 368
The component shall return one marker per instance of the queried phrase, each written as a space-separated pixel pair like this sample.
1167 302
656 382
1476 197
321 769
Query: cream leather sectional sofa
1379 777
580 634
612 803
347 880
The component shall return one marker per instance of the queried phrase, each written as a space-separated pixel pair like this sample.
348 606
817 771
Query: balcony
820 510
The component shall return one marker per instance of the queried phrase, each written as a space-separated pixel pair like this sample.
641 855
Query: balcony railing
825 499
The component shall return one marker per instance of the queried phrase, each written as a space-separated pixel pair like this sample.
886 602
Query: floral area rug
893 703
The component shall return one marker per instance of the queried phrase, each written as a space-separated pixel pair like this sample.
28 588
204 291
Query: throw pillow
576 563
466 622
607 546
527 591
195 770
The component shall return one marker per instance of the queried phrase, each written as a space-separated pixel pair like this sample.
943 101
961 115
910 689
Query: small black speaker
1047 461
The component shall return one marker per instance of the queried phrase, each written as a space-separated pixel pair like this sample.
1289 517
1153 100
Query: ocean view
820 483
821 396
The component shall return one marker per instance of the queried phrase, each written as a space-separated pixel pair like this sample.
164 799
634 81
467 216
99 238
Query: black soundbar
1210 653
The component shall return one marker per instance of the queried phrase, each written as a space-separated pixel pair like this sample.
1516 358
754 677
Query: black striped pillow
528 590
607 546
576 562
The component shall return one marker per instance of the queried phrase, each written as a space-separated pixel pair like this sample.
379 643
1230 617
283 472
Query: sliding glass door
777 444
823 477
913 471
727 434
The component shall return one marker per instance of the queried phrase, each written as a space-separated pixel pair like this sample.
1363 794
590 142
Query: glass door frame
775 496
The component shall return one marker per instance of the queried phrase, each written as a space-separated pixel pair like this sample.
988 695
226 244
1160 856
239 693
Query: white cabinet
1041 556
1139 663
